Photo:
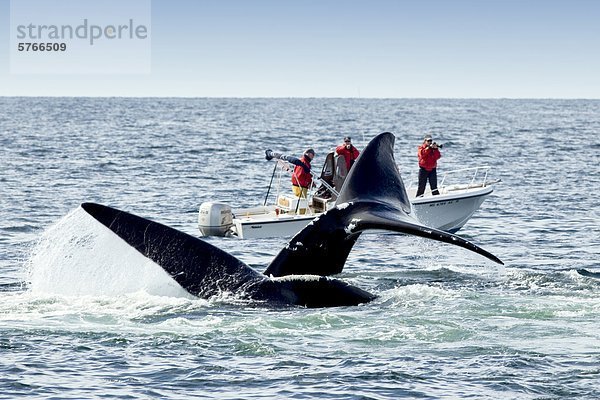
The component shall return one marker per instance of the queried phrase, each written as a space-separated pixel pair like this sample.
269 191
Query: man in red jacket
428 154
349 152
301 178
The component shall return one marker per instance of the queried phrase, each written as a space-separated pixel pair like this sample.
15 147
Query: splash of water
79 256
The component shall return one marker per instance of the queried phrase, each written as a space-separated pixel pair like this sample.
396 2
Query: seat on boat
333 173
292 204
319 204
327 175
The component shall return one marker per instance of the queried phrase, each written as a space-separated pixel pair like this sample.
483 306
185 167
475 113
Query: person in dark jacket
428 154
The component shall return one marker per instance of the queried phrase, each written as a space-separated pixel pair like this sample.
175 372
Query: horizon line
298 97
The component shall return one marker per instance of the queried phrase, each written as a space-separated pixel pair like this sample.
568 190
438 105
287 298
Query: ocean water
77 323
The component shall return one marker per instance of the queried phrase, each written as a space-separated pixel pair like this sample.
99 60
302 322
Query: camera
436 144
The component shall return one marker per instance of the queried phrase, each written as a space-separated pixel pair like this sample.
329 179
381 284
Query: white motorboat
456 203
461 194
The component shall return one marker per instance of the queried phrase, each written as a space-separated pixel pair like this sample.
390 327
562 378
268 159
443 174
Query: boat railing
253 211
480 172
462 179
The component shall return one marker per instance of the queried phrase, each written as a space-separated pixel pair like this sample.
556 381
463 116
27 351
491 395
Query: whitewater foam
80 256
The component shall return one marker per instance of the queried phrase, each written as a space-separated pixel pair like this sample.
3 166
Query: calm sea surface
447 324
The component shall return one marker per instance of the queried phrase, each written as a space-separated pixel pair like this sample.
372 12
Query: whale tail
194 264
205 271
372 197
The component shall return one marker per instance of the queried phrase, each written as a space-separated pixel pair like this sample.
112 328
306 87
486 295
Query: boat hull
449 212
273 226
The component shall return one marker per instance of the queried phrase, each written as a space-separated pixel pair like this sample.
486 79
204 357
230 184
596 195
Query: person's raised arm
269 155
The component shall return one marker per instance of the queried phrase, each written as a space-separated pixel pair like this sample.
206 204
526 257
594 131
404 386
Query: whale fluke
205 271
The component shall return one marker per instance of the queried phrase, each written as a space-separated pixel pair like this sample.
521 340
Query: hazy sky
344 48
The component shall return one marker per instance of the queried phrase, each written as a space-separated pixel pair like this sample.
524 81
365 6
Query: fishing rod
270 183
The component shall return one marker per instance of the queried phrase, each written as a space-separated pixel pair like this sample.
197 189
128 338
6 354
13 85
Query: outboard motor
214 219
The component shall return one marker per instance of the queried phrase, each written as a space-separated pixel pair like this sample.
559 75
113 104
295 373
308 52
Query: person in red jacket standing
349 152
301 178
428 154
